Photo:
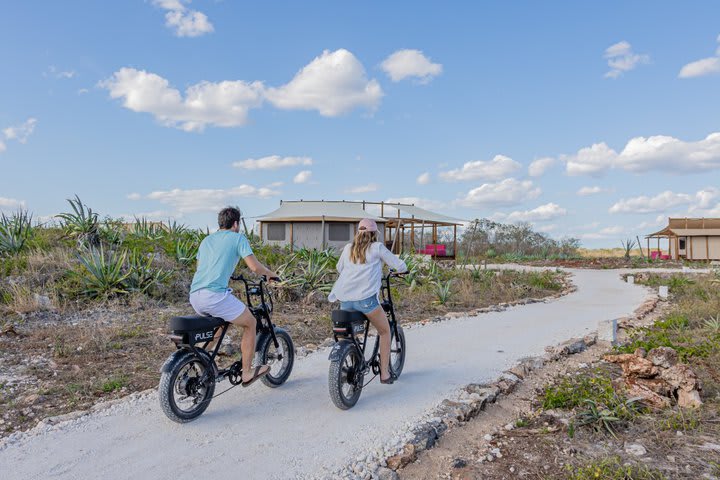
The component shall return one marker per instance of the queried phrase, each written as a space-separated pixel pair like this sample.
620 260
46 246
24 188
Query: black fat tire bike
189 375
348 361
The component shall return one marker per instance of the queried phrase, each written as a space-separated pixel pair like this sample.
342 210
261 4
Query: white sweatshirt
358 281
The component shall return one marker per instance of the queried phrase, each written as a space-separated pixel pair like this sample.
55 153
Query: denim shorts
365 306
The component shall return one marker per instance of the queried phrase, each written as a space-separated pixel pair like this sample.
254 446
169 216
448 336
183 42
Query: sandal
390 380
257 375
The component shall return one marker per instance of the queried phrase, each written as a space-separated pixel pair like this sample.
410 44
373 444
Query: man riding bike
217 257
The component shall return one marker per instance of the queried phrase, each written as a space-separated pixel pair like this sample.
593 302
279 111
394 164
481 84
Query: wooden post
707 245
292 239
640 246
412 236
455 241
382 209
677 247
322 231
422 235
402 240
261 231
692 257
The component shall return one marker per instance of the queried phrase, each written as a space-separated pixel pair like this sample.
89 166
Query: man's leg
247 322
380 322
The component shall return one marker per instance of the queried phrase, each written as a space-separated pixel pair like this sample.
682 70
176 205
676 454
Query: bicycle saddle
194 322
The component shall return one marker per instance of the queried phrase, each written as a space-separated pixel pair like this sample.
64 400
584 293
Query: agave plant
186 251
111 231
443 291
713 323
310 269
175 230
141 276
628 245
102 274
81 223
144 228
15 232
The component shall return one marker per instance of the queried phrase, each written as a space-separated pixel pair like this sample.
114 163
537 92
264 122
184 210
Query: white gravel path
295 431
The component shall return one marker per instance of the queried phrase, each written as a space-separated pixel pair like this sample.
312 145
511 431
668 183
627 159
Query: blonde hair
360 245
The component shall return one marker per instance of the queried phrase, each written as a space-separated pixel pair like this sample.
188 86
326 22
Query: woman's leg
379 321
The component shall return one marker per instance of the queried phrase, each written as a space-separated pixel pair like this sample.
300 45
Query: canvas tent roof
417 214
295 211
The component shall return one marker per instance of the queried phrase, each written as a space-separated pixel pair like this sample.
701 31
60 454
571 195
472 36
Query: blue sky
173 108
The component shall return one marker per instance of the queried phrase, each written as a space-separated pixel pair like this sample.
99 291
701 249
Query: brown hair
227 217
360 245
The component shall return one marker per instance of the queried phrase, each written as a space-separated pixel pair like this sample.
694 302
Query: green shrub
571 392
102 274
142 277
613 469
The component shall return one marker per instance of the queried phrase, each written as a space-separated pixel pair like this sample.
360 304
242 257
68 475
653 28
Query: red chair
441 251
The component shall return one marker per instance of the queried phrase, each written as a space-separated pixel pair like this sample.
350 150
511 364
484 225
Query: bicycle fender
336 350
167 366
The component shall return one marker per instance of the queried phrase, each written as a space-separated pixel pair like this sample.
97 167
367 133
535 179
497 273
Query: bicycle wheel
185 391
280 359
397 350
345 377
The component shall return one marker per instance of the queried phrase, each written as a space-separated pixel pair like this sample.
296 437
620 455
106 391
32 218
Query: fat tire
167 384
336 381
396 370
264 346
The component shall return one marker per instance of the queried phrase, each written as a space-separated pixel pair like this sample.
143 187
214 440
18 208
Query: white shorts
217 304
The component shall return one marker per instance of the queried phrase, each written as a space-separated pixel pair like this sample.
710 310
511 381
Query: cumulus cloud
538 167
548 211
645 204
586 191
333 84
370 187
644 154
702 67
184 21
495 169
17 133
423 179
506 192
410 63
222 104
207 199
621 58
272 162
9 204
302 177
603 233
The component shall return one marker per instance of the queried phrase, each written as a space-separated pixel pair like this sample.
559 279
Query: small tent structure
322 224
689 239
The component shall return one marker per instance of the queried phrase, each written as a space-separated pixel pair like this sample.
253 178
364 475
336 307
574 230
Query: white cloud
548 211
540 166
621 58
644 154
370 187
8 204
134 196
21 132
418 202
53 71
702 67
302 177
272 162
333 84
495 169
423 179
207 199
222 104
184 21
410 63
586 191
592 160
603 233
507 192
644 204
18 133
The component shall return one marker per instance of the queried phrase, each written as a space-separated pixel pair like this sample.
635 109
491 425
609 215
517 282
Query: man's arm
257 267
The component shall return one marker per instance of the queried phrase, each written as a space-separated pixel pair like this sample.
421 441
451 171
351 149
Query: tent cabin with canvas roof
332 224
688 239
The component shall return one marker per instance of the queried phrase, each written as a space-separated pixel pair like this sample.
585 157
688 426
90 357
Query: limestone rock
664 357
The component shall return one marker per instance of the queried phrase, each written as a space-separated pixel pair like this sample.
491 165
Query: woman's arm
392 260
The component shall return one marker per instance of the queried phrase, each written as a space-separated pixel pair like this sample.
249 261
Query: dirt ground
515 438
58 362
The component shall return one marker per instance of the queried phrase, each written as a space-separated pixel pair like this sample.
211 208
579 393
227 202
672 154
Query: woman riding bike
360 267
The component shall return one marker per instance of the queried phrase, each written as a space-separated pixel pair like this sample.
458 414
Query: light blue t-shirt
217 258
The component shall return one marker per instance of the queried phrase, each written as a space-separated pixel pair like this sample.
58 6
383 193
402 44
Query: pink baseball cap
367 225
